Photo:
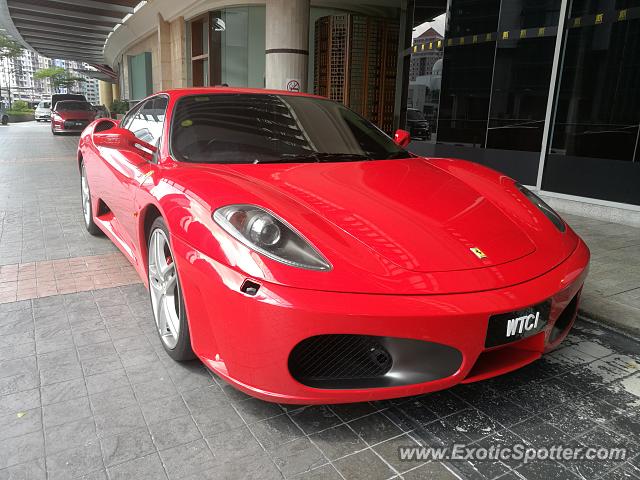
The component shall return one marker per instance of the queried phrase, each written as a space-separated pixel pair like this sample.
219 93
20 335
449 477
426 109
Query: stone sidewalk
612 291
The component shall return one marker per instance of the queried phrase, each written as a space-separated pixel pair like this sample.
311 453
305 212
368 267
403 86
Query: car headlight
265 233
549 212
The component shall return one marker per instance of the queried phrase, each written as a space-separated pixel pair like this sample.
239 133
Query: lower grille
339 357
565 318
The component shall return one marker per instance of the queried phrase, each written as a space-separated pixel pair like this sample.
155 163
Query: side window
148 121
128 118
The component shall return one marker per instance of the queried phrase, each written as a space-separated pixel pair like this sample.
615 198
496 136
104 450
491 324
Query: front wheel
166 295
87 209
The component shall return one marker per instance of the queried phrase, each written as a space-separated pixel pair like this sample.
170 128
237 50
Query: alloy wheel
86 197
164 288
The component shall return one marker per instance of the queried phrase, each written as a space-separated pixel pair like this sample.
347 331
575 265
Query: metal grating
339 357
355 64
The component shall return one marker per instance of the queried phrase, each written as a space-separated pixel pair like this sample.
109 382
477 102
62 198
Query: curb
621 318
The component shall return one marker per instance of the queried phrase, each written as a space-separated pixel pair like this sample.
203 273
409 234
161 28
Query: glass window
466 89
274 128
147 122
522 74
227 46
596 130
67 106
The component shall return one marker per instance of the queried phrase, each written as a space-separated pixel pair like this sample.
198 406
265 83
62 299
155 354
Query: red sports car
71 116
306 257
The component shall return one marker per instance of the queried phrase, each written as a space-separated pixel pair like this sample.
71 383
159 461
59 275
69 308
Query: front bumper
248 339
63 127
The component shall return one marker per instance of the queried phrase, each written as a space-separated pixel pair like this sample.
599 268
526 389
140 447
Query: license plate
509 327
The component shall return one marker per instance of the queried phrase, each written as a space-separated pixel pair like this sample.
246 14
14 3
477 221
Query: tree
59 78
9 50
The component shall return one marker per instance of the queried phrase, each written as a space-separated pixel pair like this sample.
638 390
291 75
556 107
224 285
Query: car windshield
268 128
66 106
43 105
414 115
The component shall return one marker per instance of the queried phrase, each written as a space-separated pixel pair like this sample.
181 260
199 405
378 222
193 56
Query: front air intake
344 361
339 357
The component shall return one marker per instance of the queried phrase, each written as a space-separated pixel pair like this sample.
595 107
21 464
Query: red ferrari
306 257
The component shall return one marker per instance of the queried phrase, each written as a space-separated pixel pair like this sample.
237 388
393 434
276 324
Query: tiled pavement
86 390
612 292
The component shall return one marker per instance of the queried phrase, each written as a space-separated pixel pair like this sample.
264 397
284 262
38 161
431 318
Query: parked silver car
43 111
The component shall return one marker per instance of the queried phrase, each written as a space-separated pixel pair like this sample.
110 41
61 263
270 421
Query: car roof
183 92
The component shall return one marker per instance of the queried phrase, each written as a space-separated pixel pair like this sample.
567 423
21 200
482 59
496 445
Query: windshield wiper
315 157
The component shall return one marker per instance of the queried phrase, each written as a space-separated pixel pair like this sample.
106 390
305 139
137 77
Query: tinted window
146 122
243 128
67 106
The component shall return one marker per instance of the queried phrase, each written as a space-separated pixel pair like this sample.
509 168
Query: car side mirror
402 138
123 139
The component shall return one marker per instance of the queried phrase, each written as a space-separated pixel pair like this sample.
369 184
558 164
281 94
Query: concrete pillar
164 54
178 53
106 93
115 89
287 44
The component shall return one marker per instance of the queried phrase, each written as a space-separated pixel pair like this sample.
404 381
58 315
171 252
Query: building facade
549 93
17 82
546 91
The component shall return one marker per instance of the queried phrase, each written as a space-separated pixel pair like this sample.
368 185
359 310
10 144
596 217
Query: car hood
414 214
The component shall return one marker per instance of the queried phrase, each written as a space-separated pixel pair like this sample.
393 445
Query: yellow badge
478 253
187 123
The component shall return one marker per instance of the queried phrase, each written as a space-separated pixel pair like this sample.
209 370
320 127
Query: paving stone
19 401
122 448
74 434
314 418
338 441
21 449
297 457
187 459
174 432
20 423
236 444
375 428
364 465
217 418
164 408
143 468
32 470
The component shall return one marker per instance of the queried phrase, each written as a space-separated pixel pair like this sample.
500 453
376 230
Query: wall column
115 90
106 93
178 53
164 53
287 44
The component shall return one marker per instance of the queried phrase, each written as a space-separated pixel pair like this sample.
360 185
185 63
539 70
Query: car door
124 167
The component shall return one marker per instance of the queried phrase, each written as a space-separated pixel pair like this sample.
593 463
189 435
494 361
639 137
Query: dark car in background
418 127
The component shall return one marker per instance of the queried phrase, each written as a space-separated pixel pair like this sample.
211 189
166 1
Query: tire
167 302
87 208
5 120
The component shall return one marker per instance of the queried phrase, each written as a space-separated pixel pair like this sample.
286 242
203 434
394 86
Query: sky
437 24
